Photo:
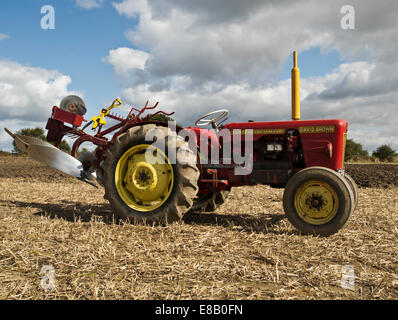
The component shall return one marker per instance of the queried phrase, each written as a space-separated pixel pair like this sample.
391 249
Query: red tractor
154 173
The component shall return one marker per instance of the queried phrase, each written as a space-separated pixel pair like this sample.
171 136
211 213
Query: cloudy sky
198 56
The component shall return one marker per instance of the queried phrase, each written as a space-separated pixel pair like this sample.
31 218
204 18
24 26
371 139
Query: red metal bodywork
319 142
321 147
68 117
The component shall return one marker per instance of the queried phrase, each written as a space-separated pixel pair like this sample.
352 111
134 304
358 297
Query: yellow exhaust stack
295 89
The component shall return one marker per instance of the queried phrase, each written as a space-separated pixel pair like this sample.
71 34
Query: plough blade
52 156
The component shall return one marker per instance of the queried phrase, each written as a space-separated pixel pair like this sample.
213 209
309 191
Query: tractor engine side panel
324 145
312 142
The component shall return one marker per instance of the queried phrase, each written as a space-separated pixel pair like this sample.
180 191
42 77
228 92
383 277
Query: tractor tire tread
186 178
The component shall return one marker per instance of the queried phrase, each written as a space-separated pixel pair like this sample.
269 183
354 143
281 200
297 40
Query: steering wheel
204 121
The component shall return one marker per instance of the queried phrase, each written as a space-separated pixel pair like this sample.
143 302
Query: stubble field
247 249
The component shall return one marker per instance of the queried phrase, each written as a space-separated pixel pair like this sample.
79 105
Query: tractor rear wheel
142 181
318 201
209 202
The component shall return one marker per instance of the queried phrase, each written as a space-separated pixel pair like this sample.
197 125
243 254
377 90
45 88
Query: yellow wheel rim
316 202
144 178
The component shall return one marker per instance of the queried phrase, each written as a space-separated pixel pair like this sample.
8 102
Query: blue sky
313 63
80 40
196 56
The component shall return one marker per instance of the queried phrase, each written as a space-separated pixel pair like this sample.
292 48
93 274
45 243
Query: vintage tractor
153 173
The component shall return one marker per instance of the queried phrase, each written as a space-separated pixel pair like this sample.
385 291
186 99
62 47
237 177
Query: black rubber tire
354 188
209 202
339 185
183 191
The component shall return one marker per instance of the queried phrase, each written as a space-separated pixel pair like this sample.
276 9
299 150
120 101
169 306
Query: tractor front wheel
318 201
142 181
354 188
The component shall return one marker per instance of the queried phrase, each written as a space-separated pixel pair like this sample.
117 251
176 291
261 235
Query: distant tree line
355 152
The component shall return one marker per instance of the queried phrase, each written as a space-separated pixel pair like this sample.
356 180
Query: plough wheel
354 188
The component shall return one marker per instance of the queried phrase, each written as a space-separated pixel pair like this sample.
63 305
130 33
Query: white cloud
89 4
4 36
211 54
27 95
231 40
131 8
126 60
201 42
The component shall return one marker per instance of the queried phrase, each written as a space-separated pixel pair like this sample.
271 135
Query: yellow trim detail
317 129
295 74
344 147
257 131
316 202
100 119
144 178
